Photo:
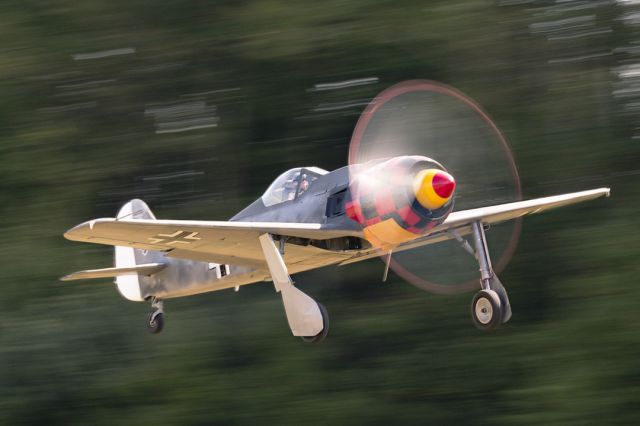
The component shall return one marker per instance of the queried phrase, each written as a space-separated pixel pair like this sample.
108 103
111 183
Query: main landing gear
486 310
325 327
155 320
490 307
307 318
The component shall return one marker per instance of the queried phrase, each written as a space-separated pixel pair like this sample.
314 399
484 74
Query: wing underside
209 241
503 212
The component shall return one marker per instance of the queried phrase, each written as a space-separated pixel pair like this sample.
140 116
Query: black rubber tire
486 310
325 327
156 325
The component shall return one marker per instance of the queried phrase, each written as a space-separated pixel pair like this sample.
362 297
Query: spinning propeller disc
421 117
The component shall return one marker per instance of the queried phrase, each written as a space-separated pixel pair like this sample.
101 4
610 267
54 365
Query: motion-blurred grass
196 106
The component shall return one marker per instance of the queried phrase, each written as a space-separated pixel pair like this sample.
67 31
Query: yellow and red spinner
399 199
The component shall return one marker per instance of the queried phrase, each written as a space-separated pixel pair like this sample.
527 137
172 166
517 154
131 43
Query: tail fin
127 257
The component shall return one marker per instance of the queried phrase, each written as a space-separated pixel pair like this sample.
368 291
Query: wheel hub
484 310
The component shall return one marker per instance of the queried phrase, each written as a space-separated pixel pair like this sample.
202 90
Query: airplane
308 218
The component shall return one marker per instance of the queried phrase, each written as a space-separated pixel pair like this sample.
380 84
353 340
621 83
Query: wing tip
69 233
68 277
600 192
73 233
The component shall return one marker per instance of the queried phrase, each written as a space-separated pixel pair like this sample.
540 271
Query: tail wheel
155 322
486 310
325 327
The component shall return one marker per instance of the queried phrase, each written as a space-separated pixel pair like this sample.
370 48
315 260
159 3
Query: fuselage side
379 200
322 202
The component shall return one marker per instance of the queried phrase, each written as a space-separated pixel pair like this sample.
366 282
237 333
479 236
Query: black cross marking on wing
178 237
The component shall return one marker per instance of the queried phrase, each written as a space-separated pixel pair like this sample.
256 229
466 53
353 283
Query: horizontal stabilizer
146 269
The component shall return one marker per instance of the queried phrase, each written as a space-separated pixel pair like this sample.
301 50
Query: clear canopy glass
291 184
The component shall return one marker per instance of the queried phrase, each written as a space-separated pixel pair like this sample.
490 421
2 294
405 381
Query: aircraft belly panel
230 259
199 287
189 277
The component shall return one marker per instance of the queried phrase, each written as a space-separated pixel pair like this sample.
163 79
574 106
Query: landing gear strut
490 307
307 318
155 320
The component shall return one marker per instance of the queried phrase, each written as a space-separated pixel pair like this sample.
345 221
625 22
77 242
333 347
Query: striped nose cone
433 188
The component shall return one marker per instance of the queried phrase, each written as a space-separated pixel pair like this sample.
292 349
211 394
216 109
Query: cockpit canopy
291 184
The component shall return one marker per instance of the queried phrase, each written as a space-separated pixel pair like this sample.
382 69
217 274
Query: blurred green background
195 106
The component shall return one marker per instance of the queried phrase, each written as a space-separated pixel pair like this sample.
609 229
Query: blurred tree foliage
196 106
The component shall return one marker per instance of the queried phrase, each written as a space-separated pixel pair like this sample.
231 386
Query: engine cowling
399 199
